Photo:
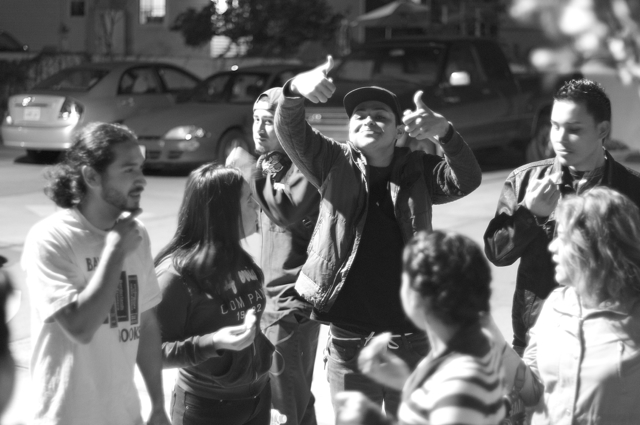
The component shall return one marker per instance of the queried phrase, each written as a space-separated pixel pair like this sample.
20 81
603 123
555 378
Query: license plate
31 113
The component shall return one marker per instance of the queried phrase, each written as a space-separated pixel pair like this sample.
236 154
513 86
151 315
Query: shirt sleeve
312 152
455 175
53 277
178 348
464 391
533 387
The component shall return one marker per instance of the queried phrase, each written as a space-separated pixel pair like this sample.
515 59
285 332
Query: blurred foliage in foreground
607 31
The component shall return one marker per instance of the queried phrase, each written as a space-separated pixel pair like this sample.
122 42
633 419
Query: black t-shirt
369 301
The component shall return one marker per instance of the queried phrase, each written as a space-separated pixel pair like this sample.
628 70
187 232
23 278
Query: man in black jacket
524 224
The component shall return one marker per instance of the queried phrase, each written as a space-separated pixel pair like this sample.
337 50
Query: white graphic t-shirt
84 383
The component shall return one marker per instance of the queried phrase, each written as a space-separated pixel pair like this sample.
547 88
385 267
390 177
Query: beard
119 200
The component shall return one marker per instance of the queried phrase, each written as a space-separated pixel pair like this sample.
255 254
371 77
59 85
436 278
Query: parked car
8 43
43 119
468 80
217 117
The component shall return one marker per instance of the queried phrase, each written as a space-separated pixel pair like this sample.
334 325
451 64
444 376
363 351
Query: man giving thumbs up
374 198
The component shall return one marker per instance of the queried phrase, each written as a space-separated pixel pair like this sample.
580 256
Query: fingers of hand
322 92
374 353
250 318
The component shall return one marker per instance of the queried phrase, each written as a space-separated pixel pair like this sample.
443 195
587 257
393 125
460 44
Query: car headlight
185 132
7 118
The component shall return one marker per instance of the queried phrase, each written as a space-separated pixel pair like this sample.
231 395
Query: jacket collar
572 306
609 174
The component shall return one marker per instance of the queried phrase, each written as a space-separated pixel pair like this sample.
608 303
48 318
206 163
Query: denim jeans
341 358
189 409
295 337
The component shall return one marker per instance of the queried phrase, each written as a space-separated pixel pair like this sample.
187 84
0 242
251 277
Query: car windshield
231 88
73 80
419 65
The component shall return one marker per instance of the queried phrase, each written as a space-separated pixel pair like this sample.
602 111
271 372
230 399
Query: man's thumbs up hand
423 123
315 85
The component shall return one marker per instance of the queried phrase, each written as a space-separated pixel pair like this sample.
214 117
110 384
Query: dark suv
467 80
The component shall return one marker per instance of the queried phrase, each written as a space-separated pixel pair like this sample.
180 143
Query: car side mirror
460 78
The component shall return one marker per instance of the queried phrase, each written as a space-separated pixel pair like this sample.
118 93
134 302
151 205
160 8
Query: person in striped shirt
445 291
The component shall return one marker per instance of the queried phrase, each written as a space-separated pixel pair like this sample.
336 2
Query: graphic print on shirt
242 301
125 308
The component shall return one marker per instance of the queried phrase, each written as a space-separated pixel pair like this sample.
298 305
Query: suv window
414 65
494 62
463 58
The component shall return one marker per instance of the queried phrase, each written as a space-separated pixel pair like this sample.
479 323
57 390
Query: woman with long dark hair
211 305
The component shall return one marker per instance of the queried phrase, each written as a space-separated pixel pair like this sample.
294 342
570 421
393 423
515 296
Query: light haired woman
583 358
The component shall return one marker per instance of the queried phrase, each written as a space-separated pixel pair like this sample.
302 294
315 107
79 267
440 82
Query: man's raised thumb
417 99
327 66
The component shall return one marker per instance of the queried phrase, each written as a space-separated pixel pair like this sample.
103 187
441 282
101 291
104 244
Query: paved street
22 203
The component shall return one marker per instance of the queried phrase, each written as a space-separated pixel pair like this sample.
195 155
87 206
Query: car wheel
230 140
39 156
540 147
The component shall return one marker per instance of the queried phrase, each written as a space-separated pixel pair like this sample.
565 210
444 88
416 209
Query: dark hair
452 271
206 249
590 94
92 146
600 230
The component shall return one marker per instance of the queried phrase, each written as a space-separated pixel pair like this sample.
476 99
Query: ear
604 130
91 176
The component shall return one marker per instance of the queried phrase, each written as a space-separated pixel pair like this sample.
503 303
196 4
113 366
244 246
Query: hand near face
423 123
315 85
126 235
236 338
354 408
376 362
542 196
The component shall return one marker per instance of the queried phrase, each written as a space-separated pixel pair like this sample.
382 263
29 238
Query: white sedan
43 119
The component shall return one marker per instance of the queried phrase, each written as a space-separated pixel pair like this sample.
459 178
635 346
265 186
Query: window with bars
152 11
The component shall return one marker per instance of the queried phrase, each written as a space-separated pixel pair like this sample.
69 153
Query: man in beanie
374 198
289 209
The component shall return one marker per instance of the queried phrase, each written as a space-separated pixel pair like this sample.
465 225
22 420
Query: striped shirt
464 385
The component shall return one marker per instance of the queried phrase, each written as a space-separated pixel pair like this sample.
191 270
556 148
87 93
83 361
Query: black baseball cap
363 94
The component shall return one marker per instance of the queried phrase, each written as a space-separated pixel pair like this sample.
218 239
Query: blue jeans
190 409
341 358
295 337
